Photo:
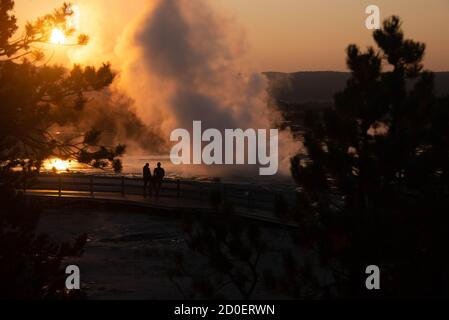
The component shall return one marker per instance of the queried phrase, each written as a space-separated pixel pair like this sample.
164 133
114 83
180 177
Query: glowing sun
57 36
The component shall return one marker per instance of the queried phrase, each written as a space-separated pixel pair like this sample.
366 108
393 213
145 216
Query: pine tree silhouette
33 97
374 180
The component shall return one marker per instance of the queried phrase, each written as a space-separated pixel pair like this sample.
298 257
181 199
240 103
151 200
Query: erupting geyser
182 63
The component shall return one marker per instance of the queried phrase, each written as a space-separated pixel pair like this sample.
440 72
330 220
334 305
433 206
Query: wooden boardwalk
162 202
251 201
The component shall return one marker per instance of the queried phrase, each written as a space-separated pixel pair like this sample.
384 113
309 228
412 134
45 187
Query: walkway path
167 203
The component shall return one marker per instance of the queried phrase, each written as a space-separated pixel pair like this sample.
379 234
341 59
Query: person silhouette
147 180
158 174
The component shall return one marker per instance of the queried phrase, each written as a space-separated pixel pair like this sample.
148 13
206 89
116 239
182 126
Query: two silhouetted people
155 181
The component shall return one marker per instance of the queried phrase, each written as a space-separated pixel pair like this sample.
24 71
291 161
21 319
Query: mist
177 61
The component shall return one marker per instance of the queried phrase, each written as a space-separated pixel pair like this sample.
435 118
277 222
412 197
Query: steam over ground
177 61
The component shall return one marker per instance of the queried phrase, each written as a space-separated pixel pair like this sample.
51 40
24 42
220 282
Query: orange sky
291 35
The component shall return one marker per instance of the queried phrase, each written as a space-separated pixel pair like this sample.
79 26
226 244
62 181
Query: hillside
301 87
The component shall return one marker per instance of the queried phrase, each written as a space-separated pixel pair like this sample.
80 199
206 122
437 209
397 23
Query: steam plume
182 62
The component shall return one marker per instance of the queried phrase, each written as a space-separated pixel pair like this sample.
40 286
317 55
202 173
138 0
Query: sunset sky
285 35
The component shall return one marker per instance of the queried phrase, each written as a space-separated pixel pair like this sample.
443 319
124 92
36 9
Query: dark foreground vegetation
373 183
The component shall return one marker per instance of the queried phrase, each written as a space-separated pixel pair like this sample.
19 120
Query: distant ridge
320 86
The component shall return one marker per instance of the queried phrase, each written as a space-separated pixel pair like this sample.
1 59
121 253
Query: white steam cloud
182 61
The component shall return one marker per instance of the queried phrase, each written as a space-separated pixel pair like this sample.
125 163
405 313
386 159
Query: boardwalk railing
250 196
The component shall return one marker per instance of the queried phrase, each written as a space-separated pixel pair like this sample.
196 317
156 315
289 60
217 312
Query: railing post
91 186
123 186
59 186
24 185
178 189
222 191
